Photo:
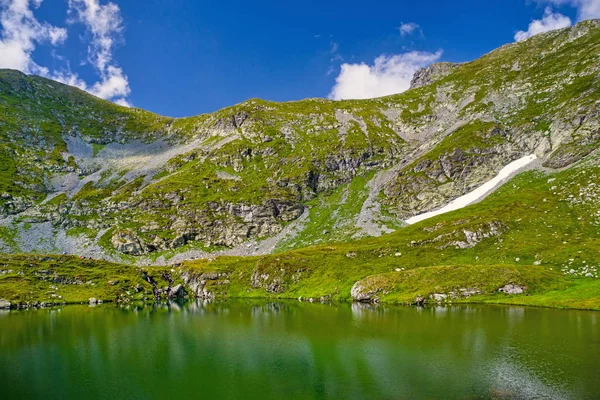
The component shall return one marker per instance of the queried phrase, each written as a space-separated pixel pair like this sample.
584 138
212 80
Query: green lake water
281 350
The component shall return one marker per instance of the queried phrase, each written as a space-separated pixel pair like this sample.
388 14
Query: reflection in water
298 350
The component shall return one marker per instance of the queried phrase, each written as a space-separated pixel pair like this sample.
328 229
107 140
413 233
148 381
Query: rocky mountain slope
533 242
87 177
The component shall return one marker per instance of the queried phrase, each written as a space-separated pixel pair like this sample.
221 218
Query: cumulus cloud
589 9
105 25
387 75
586 9
113 84
123 102
20 34
408 28
549 22
67 77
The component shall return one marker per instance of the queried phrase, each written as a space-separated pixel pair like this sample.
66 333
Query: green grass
8 235
43 278
96 148
556 84
539 240
331 217
547 225
305 139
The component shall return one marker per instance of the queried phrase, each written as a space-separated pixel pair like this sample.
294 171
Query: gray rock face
10 205
127 242
512 288
202 284
4 304
464 238
426 76
492 229
275 280
431 183
272 284
223 224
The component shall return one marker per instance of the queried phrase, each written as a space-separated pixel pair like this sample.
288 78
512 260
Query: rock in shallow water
439 297
4 304
177 291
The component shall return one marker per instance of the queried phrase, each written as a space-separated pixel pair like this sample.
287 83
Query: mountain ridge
130 182
314 194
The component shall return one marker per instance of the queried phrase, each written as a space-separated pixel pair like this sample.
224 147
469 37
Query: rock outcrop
177 291
128 242
426 76
206 285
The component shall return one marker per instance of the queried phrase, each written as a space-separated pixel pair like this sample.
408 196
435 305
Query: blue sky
182 58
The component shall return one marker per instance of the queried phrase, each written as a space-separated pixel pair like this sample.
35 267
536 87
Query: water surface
293 350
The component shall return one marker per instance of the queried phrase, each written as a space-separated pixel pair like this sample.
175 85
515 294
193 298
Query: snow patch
478 193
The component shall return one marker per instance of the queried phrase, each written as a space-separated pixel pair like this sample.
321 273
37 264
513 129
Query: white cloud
69 78
113 84
408 28
21 31
387 75
549 22
105 25
586 9
123 102
589 9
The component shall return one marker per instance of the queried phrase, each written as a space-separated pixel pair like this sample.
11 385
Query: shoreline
430 304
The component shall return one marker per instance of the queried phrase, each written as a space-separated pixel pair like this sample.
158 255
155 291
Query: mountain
83 176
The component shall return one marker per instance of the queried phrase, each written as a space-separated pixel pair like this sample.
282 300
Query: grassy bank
66 279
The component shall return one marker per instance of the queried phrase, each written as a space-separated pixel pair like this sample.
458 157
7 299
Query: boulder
439 297
4 304
93 301
360 293
512 288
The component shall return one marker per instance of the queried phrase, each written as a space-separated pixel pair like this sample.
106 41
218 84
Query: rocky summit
82 176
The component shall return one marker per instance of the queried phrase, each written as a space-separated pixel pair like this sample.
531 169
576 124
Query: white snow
478 193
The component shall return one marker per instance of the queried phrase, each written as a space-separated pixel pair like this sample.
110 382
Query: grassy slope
547 219
555 81
541 225
331 217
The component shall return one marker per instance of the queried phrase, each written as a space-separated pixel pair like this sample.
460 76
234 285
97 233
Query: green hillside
308 198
